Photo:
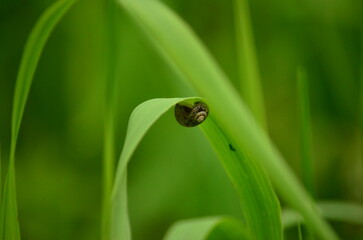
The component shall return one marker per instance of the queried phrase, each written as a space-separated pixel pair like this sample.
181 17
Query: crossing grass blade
9 227
260 205
208 228
249 76
185 53
332 210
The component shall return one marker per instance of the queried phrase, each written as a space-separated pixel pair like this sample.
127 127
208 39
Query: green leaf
32 51
332 210
259 204
141 119
250 82
208 228
186 54
9 227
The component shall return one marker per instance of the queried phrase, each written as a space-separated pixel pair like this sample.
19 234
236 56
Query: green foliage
250 82
259 204
334 211
30 59
305 132
96 68
9 210
208 228
186 53
9 226
140 121
112 56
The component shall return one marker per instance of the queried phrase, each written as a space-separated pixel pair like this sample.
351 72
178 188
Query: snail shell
191 115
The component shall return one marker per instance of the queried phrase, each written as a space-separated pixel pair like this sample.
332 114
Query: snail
191 115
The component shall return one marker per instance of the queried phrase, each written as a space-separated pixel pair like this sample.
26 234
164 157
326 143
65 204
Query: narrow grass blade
259 204
1 178
9 211
185 52
299 231
9 228
305 131
361 100
109 111
207 229
332 210
250 82
32 51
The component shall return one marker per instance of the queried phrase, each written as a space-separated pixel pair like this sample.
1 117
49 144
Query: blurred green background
174 173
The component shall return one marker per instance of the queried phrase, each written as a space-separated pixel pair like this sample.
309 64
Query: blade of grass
9 210
1 178
299 231
1 200
260 206
250 82
32 51
137 128
331 210
361 99
207 228
109 112
305 131
185 52
9 228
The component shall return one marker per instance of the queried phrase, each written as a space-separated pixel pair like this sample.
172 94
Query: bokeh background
174 174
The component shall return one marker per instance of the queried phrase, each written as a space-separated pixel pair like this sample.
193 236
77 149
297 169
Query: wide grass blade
208 228
331 210
259 204
141 119
305 131
250 82
187 54
9 228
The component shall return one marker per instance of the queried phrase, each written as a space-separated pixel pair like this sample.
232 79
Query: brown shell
189 115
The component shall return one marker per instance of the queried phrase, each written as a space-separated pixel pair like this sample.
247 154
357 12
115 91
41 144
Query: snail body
191 115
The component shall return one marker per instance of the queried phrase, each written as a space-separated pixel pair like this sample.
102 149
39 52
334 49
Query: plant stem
305 131
249 77
109 114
